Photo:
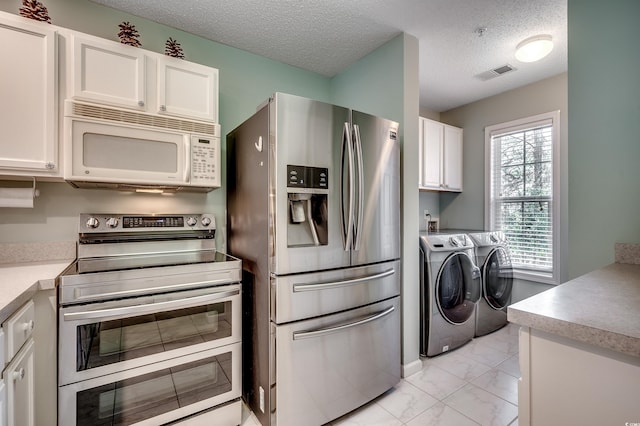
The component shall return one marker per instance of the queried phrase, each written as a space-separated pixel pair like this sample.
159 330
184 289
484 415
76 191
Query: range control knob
206 221
112 222
191 221
92 222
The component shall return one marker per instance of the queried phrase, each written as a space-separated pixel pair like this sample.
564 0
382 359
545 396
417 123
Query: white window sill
539 277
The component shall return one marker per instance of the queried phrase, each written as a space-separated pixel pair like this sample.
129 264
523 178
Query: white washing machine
449 291
494 260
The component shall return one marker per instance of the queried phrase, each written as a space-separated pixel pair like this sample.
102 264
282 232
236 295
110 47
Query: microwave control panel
205 161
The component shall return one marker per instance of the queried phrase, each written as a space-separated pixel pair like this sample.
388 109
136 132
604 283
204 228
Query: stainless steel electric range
149 323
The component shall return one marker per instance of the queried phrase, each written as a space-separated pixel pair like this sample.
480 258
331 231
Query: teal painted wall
604 129
383 83
245 81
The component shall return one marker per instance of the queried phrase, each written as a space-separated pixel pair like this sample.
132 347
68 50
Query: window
522 192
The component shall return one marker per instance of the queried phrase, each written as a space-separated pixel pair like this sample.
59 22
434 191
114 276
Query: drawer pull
28 326
329 285
18 375
323 331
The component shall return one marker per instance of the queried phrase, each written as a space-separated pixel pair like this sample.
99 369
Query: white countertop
20 281
601 308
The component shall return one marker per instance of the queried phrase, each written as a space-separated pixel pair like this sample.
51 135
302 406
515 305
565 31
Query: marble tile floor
476 384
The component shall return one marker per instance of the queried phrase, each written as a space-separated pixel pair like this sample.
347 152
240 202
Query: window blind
522 193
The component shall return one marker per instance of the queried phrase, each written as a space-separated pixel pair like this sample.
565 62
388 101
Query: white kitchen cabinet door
3 403
432 144
452 158
108 73
187 89
440 156
19 380
28 119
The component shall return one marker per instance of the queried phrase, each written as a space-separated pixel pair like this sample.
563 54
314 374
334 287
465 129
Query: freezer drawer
301 296
326 367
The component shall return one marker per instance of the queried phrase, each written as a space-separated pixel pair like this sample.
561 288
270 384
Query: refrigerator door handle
323 331
333 284
347 233
358 158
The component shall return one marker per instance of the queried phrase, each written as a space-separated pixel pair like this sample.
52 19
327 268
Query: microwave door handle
127 311
187 165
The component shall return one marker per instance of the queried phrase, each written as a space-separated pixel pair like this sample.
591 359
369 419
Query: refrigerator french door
313 210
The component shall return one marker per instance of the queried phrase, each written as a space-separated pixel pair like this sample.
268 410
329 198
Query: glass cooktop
141 261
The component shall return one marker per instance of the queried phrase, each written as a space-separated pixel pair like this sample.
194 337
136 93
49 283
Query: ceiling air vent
496 72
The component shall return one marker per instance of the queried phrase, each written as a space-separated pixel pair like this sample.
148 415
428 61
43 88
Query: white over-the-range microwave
113 148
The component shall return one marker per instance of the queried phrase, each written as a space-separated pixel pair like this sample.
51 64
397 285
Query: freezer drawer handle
323 331
334 284
149 308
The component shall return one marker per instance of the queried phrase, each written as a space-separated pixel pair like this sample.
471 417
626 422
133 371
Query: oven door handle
149 308
321 332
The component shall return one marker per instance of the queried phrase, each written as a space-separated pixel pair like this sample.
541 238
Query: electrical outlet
426 214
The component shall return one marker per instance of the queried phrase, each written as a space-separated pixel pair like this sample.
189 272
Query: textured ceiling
326 36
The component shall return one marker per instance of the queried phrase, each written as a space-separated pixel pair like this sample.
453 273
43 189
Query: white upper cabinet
105 72
440 156
28 118
187 89
452 158
111 73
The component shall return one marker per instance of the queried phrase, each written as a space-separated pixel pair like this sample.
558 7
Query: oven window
109 342
143 397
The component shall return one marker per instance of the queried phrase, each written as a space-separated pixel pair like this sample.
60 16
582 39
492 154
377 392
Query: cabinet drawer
18 329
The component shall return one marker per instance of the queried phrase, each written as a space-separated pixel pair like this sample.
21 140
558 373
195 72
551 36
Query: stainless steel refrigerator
314 212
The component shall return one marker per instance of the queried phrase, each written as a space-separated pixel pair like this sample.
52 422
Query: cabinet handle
141 103
28 326
163 108
50 166
18 375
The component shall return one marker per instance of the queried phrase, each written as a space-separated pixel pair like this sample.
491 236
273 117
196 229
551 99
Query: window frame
552 277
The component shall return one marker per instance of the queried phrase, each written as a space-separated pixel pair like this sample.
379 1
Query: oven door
157 393
103 338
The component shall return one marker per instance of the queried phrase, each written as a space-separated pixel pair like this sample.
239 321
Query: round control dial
112 222
191 221
93 223
206 221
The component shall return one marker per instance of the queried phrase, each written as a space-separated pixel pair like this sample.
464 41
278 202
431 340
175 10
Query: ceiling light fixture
534 48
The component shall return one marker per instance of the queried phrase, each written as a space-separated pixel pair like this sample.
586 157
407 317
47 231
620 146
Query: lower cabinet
17 406
3 403
19 379
566 382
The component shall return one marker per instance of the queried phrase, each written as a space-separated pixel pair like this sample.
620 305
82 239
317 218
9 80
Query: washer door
497 278
457 288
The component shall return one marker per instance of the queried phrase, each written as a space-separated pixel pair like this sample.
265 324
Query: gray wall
604 124
466 210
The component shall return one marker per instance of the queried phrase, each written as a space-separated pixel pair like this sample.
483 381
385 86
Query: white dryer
492 255
449 290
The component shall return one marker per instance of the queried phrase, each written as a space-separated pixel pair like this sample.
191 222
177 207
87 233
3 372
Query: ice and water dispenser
307 190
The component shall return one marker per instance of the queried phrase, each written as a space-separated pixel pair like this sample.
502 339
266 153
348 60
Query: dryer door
457 288
497 278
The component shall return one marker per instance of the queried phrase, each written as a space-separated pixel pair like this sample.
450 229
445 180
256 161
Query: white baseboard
411 368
